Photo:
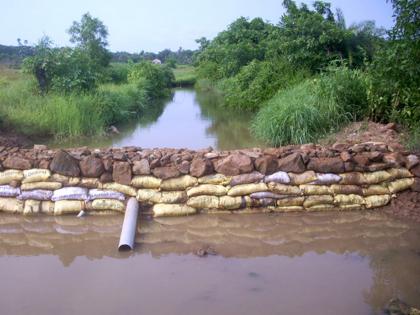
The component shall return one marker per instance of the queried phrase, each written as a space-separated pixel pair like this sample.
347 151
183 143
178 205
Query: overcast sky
136 25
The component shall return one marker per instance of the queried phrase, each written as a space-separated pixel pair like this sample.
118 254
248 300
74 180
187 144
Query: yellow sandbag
146 195
400 185
303 178
90 183
41 185
11 205
171 210
127 190
375 190
321 207
59 178
290 202
203 202
207 189
377 201
154 196
179 183
108 204
346 189
8 176
215 179
284 189
149 182
289 209
68 206
353 178
230 203
397 173
32 207
47 207
36 175
377 177
315 189
246 189
314 200
351 199
350 207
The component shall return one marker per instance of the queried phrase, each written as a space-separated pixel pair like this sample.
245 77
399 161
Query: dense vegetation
76 91
310 74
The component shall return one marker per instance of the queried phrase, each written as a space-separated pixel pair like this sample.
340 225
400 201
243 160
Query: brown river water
317 263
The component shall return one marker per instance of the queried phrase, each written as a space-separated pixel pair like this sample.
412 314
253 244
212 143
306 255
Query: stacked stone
182 182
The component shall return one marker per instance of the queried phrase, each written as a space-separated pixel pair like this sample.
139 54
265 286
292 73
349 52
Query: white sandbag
127 190
170 210
11 205
267 194
8 191
278 177
36 175
207 189
41 185
326 179
37 194
8 176
70 193
105 194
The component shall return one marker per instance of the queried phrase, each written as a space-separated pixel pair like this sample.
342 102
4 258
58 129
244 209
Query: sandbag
284 189
65 180
375 190
105 194
68 206
154 196
376 177
70 193
215 179
246 189
126 190
253 177
377 201
146 195
171 210
179 183
321 207
36 175
8 176
108 204
203 202
11 205
8 191
37 194
288 209
278 177
230 203
290 202
266 194
346 189
350 207
207 189
353 178
263 202
400 185
41 185
397 173
90 183
352 199
149 182
308 189
315 200
32 207
302 178
326 179
47 207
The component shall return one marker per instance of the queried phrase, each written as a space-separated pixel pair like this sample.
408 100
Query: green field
184 75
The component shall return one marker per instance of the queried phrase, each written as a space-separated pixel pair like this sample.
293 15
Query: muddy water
189 119
348 263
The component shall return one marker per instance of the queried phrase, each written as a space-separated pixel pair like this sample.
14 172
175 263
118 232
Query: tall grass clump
313 108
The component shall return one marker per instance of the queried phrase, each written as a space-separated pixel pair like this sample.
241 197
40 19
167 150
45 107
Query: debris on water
81 214
398 307
204 251
113 129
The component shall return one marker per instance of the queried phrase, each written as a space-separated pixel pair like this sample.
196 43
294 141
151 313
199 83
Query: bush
117 73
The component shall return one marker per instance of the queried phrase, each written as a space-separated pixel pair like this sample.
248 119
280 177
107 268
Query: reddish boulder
105 178
165 172
64 164
45 164
291 163
394 158
141 167
234 164
121 173
17 163
416 170
184 167
108 164
91 166
266 164
253 177
326 165
346 156
200 167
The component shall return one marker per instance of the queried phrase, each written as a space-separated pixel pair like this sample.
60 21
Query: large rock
411 161
326 165
253 177
64 164
141 167
234 164
121 173
184 167
91 166
266 164
165 172
17 163
291 163
200 167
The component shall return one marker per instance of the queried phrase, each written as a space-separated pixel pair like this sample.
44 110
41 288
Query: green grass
185 75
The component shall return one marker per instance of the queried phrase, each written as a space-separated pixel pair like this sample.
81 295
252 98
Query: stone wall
183 182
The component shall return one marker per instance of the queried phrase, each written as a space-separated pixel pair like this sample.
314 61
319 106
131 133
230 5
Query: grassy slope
184 75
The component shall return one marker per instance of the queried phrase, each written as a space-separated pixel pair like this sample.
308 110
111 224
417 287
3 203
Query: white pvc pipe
128 232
